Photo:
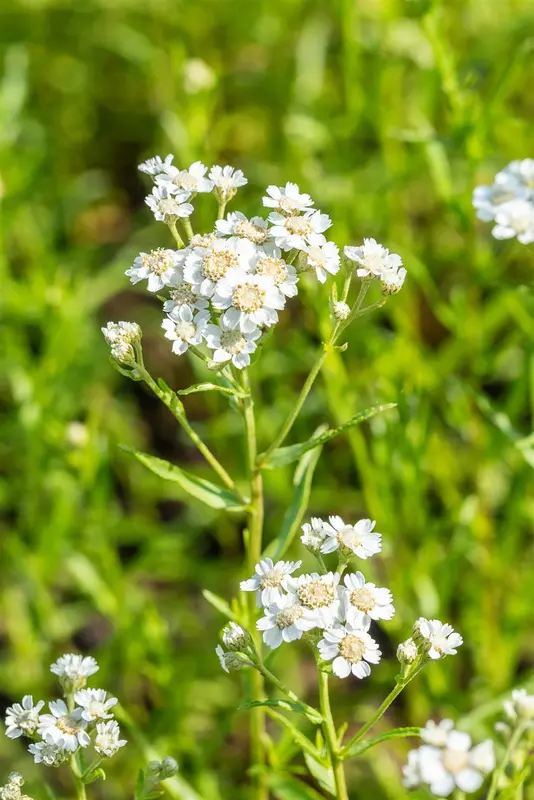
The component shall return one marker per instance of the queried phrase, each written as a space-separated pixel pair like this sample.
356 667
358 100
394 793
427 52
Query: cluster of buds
12 790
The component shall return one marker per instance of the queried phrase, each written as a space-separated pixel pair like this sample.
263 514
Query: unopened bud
341 310
153 768
236 638
169 767
407 652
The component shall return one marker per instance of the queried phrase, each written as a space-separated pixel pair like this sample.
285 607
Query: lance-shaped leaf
208 493
285 705
397 733
323 775
220 604
211 387
285 455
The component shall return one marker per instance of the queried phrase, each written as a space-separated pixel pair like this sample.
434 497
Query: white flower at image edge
351 650
515 218
441 639
70 725
107 740
251 301
183 329
456 765
521 705
186 180
22 719
284 621
166 206
322 256
358 539
231 345
160 267
362 600
270 580
287 199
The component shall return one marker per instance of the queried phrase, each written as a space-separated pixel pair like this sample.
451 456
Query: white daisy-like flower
284 621
523 171
351 650
184 329
191 180
287 199
270 580
251 301
294 232
322 256
206 266
107 739
269 262
488 199
184 295
515 218
227 181
237 224
69 725
358 539
230 344
362 600
235 637
520 706
168 206
377 262
22 719
437 735
155 166
439 639
231 661
160 267
121 337
313 534
319 596
455 765
52 750
72 665
95 704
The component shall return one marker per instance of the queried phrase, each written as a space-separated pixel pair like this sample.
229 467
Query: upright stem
188 228
254 548
80 785
177 238
499 771
330 735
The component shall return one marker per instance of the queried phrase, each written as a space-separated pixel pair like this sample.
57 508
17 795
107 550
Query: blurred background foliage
388 113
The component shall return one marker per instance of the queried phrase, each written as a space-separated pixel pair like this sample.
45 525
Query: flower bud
236 638
231 661
341 310
169 767
407 652
153 768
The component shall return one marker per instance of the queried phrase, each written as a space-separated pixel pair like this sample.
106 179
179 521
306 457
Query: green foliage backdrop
388 113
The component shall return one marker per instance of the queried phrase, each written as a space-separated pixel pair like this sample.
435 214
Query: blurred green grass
388 113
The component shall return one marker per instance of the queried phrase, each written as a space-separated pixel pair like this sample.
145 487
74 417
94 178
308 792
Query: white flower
22 718
351 650
361 600
184 329
313 534
284 621
231 344
237 224
521 705
69 725
121 337
287 199
270 580
107 740
251 301
155 166
358 539
487 199
231 662
407 652
341 310
515 218
206 266
322 256
439 640
185 180
235 638
377 262
95 704
184 295
454 765
52 751
271 264
411 772
295 231
72 666
12 789
168 207
319 596
161 267
509 201
227 181
436 735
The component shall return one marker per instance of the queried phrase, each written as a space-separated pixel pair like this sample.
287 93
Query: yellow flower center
248 298
352 648
455 761
233 342
216 264
316 594
299 226
362 599
274 268
286 618
157 261
247 230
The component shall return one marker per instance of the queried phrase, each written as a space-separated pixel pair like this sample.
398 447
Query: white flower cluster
509 202
87 720
447 761
375 261
122 338
12 790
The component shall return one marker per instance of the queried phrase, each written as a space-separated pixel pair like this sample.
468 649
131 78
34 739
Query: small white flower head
52 750
322 256
184 295
351 650
236 638
362 601
95 704
191 180
73 669
202 239
160 267
437 735
231 344
341 310
231 661
287 199
520 706
206 266
155 166
167 206
251 301
294 232
69 725
227 181
515 218
313 534
411 772
121 337
12 789
22 719
377 262
270 581
319 596
284 621
438 639
393 280
183 329
407 652
237 224
509 201
107 739
270 264
358 539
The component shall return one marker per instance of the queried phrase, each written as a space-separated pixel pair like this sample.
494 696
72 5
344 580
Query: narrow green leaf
220 604
397 733
323 775
94 776
285 455
286 705
139 785
286 787
211 387
208 493
304 743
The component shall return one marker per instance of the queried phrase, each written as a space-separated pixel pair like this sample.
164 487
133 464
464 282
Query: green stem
311 712
177 238
499 771
329 730
222 208
80 785
188 228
